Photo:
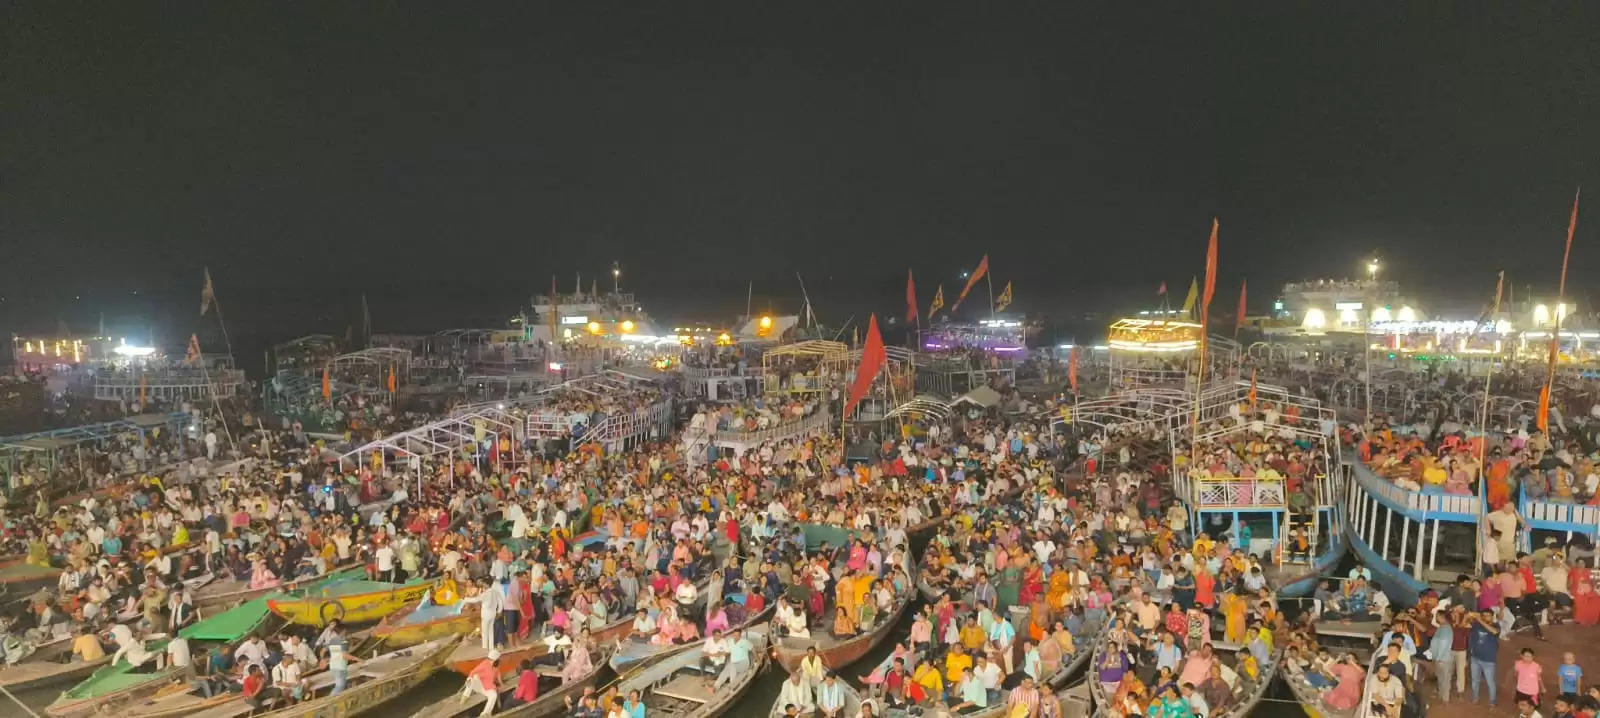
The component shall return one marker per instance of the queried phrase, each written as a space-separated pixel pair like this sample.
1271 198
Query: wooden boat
357 601
221 595
471 651
837 654
372 683
678 688
18 577
51 662
552 694
423 620
118 684
633 654
1247 692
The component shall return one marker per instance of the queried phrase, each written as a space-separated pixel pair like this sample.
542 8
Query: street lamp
616 278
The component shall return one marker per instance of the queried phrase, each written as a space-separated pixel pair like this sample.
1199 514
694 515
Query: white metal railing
1214 493
822 419
1431 504
1562 513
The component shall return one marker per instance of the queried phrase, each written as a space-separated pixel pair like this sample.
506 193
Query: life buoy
331 611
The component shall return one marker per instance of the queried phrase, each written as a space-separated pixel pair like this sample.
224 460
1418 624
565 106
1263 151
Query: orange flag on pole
193 357
873 357
1072 368
327 385
1238 321
911 298
1252 389
938 302
972 281
391 380
1211 276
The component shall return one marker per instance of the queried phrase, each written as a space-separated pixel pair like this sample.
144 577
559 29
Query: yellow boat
420 623
347 601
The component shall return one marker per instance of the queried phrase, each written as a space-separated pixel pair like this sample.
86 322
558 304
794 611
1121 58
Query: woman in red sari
524 599
1032 582
1585 602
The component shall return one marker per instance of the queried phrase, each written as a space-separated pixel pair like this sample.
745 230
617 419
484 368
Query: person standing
1483 645
489 601
1440 649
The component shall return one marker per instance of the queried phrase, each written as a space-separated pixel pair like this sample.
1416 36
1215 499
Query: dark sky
446 159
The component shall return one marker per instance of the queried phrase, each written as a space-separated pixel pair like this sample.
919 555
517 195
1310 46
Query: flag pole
1483 426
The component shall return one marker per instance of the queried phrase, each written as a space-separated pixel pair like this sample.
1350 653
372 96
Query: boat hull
367 696
404 629
316 611
788 652
471 653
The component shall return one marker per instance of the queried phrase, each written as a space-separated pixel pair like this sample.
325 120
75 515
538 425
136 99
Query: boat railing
1560 516
1418 505
819 420
1238 493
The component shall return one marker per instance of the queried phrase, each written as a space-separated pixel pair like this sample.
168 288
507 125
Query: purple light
1008 349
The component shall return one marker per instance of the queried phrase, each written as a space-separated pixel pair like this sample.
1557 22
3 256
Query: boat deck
690 687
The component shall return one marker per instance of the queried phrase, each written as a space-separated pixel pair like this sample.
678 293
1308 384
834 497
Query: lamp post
616 278
1366 331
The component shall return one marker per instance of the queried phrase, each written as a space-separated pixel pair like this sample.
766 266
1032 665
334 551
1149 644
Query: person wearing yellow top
180 534
928 677
1203 545
972 636
955 662
87 647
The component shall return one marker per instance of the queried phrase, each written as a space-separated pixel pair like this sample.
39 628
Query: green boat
124 683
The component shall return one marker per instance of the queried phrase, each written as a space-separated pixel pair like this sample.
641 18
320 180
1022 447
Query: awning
982 396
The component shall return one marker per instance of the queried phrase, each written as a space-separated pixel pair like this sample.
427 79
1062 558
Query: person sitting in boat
792 621
260 575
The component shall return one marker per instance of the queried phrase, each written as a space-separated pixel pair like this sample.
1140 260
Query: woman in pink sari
260 575
1351 677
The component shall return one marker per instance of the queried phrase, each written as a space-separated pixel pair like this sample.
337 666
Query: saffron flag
391 380
1004 300
208 296
1211 277
1194 294
911 298
193 356
1162 291
977 274
1543 417
1238 321
327 385
144 386
1072 368
938 302
1252 389
873 357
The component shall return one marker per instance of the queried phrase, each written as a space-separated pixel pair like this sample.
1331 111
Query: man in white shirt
253 650
796 692
178 652
385 558
989 674
713 654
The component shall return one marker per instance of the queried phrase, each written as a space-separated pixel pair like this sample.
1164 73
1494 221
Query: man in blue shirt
1569 673
1483 646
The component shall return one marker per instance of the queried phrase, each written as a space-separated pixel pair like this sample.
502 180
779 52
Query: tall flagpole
1483 425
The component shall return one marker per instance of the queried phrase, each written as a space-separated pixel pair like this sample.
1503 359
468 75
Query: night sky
448 161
